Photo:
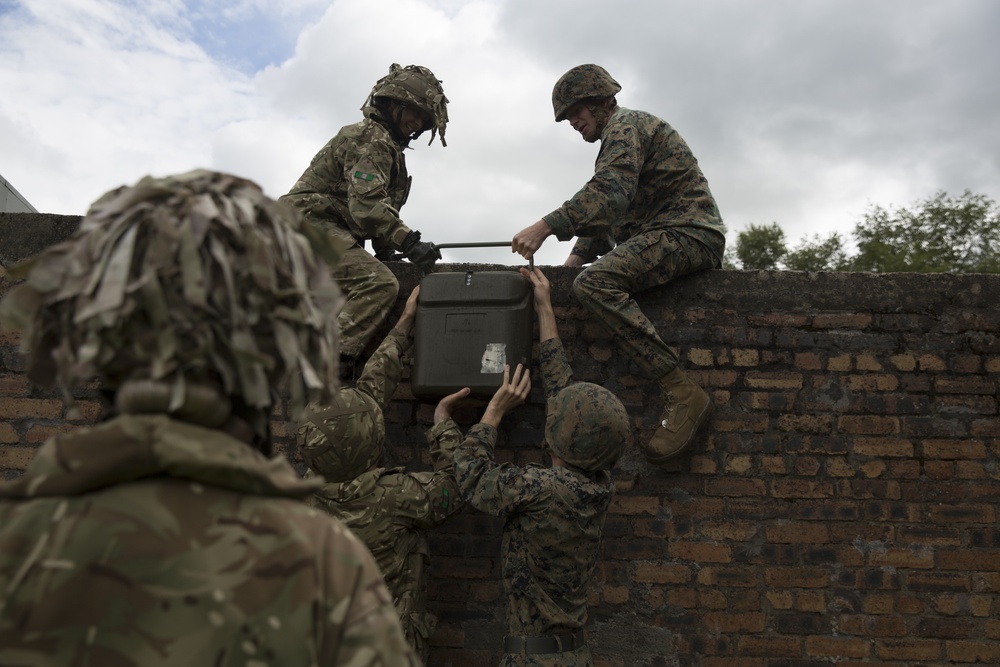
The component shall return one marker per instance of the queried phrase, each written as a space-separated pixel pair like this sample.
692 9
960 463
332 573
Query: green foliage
761 246
936 235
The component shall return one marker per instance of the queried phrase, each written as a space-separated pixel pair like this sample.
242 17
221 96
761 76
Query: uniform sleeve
358 624
430 498
556 371
491 487
607 195
384 368
369 194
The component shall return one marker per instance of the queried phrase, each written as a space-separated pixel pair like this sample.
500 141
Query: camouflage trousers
370 289
644 261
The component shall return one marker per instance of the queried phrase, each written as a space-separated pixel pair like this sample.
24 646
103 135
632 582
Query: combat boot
686 408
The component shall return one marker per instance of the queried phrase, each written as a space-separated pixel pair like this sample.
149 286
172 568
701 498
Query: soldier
390 509
167 535
646 217
553 515
354 189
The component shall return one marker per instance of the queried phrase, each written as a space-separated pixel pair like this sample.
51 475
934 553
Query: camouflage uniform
353 190
551 537
389 509
166 535
149 541
649 216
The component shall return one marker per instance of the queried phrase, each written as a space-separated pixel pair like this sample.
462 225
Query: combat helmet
581 83
415 85
342 439
192 295
587 426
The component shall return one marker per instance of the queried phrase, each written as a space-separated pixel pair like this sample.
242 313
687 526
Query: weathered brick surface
843 509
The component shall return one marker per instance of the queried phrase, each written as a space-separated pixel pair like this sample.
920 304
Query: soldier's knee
584 286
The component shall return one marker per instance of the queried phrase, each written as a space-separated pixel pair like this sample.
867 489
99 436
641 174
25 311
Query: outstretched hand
443 411
541 286
405 322
513 392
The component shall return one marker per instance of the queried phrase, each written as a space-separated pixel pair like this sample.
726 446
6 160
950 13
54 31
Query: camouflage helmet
415 85
342 439
581 83
181 288
587 426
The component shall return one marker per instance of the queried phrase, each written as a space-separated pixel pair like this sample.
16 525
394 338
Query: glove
421 253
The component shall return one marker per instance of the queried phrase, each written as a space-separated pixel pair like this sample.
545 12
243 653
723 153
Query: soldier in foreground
167 535
554 515
354 189
646 217
390 509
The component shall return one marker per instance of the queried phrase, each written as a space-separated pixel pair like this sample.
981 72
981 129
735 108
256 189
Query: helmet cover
415 85
581 83
343 439
587 426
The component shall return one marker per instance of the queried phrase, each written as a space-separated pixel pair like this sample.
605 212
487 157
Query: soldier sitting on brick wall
646 217
554 515
167 534
390 509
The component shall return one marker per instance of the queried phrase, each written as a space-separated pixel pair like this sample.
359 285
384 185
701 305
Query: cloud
799 113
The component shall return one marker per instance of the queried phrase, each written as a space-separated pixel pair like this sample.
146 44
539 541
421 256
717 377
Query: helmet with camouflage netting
344 438
415 85
193 295
581 83
587 426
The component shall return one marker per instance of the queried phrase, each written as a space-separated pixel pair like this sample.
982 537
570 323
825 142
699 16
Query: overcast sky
801 112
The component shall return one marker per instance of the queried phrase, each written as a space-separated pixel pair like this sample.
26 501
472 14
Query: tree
761 246
818 255
939 234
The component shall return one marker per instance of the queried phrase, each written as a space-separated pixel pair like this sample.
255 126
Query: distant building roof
11 200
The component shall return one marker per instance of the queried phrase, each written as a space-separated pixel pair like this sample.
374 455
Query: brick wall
843 508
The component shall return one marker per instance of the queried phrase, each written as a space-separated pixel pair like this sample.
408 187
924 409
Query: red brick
978 560
797 533
914 558
701 552
30 408
797 577
953 449
965 513
808 361
16 458
971 651
845 321
8 434
965 385
883 447
662 573
629 505
772 647
746 423
773 380
868 425
14 385
716 621
806 423
737 531
739 577
728 486
800 488
837 647
908 649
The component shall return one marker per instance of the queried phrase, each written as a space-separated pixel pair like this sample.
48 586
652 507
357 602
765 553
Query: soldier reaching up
554 515
390 509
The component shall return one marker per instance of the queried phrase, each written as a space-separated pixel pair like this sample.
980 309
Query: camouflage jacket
391 510
355 186
149 541
645 179
553 522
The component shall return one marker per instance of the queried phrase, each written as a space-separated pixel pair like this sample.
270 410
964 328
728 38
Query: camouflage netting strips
193 278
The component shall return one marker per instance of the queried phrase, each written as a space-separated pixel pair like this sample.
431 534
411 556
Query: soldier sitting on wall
554 515
390 509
